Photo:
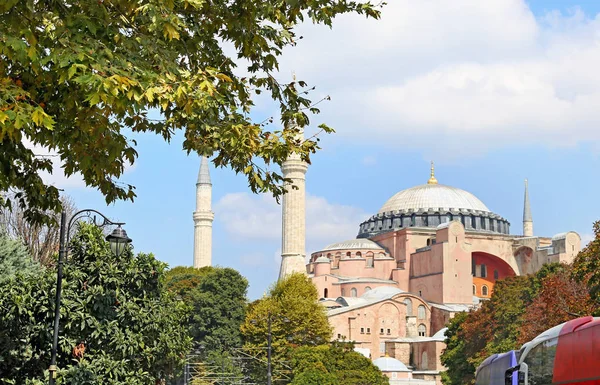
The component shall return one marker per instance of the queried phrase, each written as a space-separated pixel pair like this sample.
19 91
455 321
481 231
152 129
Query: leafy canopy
335 364
79 77
297 320
117 308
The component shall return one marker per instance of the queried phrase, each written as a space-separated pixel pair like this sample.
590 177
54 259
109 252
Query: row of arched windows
421 310
484 290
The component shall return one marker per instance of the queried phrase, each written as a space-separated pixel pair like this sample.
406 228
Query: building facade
431 251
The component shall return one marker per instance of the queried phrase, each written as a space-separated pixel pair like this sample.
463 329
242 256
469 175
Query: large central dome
433 196
430 205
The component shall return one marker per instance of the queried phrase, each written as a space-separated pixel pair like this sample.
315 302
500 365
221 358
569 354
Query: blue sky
494 92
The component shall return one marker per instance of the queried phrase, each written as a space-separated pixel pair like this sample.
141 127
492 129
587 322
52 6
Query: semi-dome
360 243
433 196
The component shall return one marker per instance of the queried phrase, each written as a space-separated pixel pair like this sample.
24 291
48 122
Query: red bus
565 354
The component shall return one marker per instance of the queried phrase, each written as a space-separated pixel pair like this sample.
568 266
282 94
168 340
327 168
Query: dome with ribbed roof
433 196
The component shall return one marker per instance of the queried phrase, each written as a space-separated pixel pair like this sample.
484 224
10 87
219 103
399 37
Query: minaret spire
203 217
432 179
527 217
293 207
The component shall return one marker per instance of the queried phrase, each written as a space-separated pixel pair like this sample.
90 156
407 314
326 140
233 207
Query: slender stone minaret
527 218
293 245
203 217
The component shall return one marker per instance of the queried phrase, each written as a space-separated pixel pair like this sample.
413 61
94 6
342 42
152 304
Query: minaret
203 217
527 218
293 245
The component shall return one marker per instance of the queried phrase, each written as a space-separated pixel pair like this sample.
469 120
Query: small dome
382 292
322 259
360 243
389 364
433 196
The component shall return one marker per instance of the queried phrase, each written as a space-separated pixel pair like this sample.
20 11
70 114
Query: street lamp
118 240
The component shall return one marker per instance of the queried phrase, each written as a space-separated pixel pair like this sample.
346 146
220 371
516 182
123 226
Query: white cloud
57 177
258 217
486 72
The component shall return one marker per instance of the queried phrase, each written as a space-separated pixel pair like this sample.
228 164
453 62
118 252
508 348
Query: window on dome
367 289
358 254
349 254
421 312
422 330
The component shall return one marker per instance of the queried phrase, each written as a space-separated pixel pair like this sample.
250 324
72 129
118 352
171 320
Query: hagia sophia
430 252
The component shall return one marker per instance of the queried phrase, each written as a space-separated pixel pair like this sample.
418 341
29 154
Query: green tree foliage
453 356
79 76
297 320
335 364
14 258
219 307
183 280
494 328
586 267
117 308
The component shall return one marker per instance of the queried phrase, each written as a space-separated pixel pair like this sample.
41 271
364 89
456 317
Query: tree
561 299
78 76
118 325
586 266
14 258
335 364
297 319
183 280
219 306
460 371
493 328
42 240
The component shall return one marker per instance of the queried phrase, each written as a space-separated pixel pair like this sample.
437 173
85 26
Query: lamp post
118 239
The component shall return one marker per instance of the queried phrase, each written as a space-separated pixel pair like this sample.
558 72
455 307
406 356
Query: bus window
535 363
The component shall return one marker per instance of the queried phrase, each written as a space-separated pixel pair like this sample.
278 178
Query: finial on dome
432 179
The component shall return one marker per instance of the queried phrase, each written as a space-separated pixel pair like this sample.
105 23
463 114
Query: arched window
349 254
413 219
428 242
369 261
343 292
473 222
496 275
358 254
353 292
325 292
424 361
422 330
484 290
421 312
367 289
474 289
408 302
